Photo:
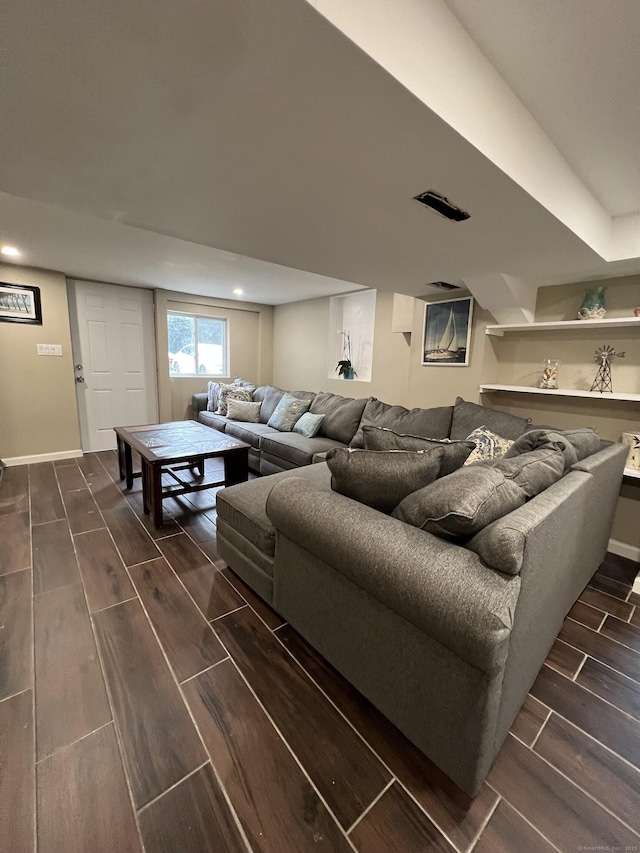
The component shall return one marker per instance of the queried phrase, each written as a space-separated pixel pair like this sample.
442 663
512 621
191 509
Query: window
197 345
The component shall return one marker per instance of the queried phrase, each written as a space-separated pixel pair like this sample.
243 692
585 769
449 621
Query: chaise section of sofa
445 645
245 535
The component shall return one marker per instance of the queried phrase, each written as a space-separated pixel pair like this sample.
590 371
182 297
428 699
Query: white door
114 352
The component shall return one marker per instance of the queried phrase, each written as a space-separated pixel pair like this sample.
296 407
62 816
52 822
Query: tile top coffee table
173 447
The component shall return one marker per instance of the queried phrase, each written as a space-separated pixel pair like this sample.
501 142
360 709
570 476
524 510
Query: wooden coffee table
172 448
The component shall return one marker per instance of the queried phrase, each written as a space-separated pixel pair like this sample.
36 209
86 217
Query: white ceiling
207 146
575 65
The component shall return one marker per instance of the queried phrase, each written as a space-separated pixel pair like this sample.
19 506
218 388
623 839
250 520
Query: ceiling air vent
443 285
442 206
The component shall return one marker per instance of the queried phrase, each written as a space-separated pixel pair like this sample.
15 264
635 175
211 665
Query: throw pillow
235 391
241 410
470 416
381 479
454 455
308 424
585 441
472 497
488 445
213 390
287 412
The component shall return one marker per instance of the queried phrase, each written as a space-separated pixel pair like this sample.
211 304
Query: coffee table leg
145 488
121 466
154 487
236 467
128 465
125 462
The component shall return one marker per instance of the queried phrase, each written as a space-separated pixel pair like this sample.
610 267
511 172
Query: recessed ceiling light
10 251
238 291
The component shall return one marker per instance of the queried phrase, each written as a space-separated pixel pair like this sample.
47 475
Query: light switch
49 349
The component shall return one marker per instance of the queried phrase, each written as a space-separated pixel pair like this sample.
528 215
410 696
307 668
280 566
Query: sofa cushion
429 423
308 424
342 415
243 507
576 444
244 383
243 410
455 453
287 412
585 441
487 445
303 395
472 497
470 416
213 420
269 396
248 432
238 392
296 448
381 479
535 438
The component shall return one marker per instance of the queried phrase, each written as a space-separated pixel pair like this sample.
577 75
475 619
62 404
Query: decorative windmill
603 358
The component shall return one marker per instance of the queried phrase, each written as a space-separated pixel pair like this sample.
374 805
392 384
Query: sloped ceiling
182 135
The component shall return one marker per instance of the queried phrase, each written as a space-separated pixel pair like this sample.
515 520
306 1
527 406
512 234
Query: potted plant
344 367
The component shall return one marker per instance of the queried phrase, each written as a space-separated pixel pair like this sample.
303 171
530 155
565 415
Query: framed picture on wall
446 340
20 304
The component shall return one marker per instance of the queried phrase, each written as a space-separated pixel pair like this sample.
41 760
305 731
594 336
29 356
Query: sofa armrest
199 404
438 586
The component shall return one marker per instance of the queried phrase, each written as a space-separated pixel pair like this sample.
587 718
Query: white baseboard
41 457
631 552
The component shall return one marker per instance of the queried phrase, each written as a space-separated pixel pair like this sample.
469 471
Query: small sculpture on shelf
549 378
592 307
603 358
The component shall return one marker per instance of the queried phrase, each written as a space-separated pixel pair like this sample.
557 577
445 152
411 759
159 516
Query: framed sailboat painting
447 332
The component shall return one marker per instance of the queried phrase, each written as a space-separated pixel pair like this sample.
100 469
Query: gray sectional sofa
444 635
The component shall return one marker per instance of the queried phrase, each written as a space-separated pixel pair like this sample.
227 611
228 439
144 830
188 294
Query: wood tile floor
149 701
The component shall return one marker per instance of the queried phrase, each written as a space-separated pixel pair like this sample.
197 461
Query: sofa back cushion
381 479
472 497
454 455
428 423
575 444
269 396
342 415
469 416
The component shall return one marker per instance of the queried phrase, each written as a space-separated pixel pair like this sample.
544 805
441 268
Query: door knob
79 378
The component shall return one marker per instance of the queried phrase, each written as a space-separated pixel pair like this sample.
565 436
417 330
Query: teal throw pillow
287 412
308 424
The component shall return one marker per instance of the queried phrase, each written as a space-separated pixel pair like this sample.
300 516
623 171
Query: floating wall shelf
562 392
567 325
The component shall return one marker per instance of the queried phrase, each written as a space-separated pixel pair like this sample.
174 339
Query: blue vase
349 373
